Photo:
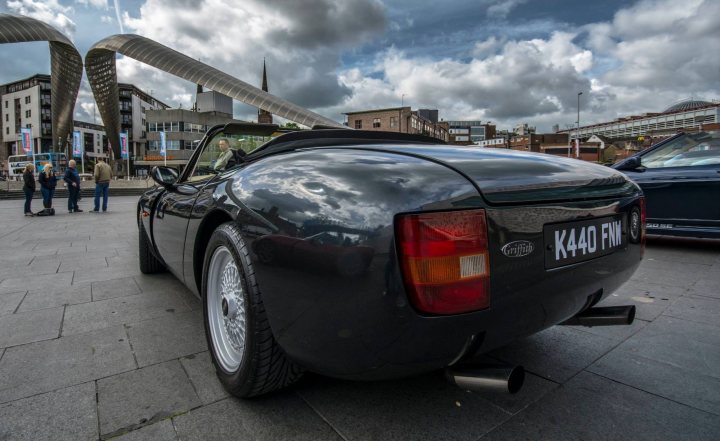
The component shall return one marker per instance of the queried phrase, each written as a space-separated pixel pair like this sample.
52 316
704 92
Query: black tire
264 366
149 264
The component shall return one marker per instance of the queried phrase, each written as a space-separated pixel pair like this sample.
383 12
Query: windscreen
688 150
224 151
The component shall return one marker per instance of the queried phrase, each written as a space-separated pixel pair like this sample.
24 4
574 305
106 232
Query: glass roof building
685 115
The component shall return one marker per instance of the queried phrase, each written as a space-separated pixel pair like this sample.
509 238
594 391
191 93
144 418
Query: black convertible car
433 253
680 177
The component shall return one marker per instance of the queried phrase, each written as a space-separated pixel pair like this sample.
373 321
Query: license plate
573 242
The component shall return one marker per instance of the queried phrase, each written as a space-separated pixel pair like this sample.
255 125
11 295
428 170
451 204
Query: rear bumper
364 328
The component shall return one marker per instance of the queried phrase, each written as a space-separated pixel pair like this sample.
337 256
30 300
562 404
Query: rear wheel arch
262 365
209 224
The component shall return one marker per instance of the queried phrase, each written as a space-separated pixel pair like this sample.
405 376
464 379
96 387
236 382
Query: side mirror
631 163
164 176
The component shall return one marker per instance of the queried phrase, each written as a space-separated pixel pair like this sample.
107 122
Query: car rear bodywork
360 324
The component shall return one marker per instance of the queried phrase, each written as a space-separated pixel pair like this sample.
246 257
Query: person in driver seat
226 154
228 157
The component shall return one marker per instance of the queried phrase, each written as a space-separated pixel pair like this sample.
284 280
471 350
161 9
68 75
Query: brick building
400 119
533 141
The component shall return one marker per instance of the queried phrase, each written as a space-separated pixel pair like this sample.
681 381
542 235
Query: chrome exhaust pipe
603 316
487 377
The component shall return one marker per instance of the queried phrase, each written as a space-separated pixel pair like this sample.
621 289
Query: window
27 114
207 163
358 124
6 104
686 151
7 117
7 130
393 121
376 123
27 100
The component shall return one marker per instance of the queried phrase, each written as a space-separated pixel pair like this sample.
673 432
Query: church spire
264 83
264 117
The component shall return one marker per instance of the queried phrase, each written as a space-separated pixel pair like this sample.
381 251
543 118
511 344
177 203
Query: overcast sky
504 61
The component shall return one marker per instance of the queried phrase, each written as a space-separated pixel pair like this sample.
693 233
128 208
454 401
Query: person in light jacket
103 174
48 182
29 186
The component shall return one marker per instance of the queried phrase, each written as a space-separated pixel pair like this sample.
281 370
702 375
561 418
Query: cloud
100 4
118 15
523 80
661 45
501 8
335 57
49 11
650 55
302 46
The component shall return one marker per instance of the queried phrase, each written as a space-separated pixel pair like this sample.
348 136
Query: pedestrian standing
103 173
29 186
72 179
48 182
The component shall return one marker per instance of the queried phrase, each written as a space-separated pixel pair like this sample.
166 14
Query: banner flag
26 136
124 145
77 147
163 148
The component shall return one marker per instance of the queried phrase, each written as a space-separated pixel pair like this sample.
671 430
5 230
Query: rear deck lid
509 176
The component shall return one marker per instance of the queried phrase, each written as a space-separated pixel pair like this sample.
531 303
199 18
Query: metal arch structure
102 75
65 69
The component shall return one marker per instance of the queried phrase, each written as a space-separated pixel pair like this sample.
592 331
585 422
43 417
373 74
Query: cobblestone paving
92 349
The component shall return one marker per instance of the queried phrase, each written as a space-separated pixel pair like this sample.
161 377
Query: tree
290 125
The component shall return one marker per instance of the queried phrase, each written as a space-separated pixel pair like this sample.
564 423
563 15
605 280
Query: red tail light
444 260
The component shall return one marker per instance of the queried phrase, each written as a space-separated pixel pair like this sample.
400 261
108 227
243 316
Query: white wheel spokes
226 309
235 318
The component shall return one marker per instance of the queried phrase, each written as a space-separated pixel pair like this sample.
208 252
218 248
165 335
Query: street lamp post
577 135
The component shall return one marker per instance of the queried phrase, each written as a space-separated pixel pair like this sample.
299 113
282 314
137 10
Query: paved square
90 348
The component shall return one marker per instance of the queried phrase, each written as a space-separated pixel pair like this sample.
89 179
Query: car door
174 207
170 221
681 182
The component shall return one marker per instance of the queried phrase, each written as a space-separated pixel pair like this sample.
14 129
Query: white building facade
676 118
26 104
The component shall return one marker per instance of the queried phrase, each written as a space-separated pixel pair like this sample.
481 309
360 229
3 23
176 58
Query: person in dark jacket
72 179
48 182
29 186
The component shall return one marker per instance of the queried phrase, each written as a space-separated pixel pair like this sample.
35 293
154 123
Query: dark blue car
681 181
